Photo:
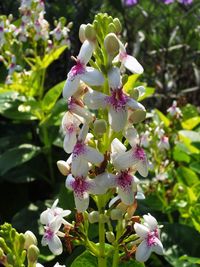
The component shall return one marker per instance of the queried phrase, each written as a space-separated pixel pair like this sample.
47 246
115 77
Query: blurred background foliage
166 41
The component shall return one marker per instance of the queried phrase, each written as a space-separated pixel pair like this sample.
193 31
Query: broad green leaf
17 156
162 117
130 84
190 259
189 111
187 176
52 96
149 91
53 55
190 123
195 166
192 135
180 155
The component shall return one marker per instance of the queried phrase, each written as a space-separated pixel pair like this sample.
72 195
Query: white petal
142 167
158 248
132 136
143 252
114 78
95 100
93 156
71 86
69 142
55 203
69 182
69 119
55 224
79 166
82 203
44 217
117 146
140 196
113 201
132 64
141 230
133 104
84 131
81 111
127 196
92 76
151 221
117 119
101 183
124 160
55 245
85 52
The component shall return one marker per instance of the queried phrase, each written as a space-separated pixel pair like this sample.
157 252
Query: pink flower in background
130 3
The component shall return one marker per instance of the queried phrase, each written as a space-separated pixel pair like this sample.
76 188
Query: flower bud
82 33
111 44
11 259
135 94
90 33
33 253
117 24
21 240
100 127
1 253
93 216
116 214
112 28
137 116
30 239
63 167
69 25
110 237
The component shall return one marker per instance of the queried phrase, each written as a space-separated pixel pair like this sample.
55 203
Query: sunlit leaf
53 55
163 118
190 123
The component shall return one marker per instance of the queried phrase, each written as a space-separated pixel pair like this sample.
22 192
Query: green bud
82 33
116 214
70 25
90 33
100 127
110 237
11 259
117 24
110 19
124 79
111 44
21 239
33 253
137 116
30 239
4 246
112 28
135 93
93 216
1 253
13 233
63 167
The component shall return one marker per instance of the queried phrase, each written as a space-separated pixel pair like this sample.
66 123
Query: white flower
129 62
145 139
82 153
51 238
80 71
174 110
150 237
163 143
82 186
56 265
50 213
134 158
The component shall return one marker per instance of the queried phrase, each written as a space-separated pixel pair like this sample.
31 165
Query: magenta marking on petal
151 238
138 153
122 56
124 180
80 186
1 29
69 128
48 234
79 149
117 100
77 69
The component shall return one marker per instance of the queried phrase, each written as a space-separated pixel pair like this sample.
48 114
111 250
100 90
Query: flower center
69 128
117 99
139 153
77 69
151 239
79 149
48 233
80 186
122 55
124 180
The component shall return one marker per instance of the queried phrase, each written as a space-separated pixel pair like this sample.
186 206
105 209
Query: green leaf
129 85
17 156
187 176
149 91
192 135
180 155
53 55
190 123
195 166
52 96
190 259
163 118
189 111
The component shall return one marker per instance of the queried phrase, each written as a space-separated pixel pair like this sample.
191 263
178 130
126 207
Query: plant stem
102 257
116 245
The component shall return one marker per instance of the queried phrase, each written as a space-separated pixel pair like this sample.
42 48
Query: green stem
116 245
102 256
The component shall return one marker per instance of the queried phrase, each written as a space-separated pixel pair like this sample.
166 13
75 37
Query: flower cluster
105 149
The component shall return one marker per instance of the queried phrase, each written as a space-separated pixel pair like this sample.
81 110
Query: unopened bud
69 25
30 239
82 33
112 28
135 93
110 237
111 44
63 167
1 253
137 116
90 33
21 240
11 259
33 253
116 214
3 245
100 127
93 216
117 24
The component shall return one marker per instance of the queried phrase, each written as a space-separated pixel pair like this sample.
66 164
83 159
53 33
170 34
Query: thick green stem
102 256
116 245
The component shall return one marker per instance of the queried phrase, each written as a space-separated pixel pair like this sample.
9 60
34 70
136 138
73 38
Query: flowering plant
105 152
